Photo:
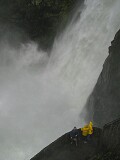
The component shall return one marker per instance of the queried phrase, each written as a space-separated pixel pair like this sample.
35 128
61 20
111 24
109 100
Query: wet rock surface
63 149
40 20
104 102
104 145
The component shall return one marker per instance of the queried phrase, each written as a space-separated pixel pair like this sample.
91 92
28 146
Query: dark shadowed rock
104 145
110 142
104 102
39 19
62 149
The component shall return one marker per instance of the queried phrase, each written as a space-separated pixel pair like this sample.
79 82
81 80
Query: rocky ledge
104 145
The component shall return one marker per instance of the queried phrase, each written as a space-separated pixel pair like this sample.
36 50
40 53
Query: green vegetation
40 19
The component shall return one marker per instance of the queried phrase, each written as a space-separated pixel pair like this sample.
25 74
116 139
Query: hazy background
41 96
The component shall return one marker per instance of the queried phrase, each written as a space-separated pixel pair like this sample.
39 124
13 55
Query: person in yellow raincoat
90 131
87 131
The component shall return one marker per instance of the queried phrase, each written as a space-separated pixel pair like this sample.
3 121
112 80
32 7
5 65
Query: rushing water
42 97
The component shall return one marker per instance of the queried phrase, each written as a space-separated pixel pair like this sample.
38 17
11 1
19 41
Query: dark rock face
40 19
104 102
104 145
62 149
110 142
111 136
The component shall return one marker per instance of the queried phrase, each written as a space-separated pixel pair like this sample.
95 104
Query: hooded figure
87 131
90 126
74 135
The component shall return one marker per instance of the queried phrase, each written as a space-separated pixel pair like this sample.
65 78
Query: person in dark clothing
74 136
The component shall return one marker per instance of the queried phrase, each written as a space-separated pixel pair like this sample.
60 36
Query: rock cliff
39 19
104 102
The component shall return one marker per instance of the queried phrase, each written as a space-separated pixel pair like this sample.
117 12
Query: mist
41 96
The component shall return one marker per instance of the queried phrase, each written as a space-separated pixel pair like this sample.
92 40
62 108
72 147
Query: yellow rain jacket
90 126
85 130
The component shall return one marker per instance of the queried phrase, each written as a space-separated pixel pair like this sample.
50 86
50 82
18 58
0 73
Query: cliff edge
104 145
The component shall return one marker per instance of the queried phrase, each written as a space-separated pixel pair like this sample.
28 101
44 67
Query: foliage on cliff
40 19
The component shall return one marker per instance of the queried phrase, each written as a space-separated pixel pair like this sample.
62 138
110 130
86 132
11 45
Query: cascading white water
41 97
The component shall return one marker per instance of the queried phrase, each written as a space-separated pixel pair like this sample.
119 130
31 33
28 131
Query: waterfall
41 97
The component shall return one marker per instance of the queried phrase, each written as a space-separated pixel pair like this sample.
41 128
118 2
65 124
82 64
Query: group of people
85 132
